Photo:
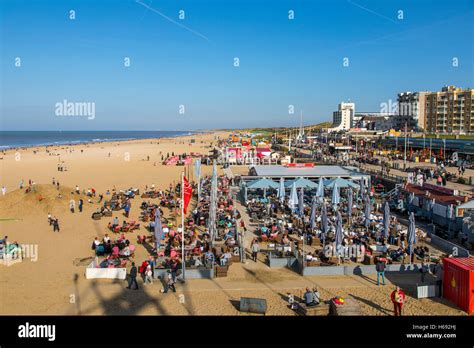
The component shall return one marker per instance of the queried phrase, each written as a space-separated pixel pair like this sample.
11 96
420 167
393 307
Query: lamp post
444 145
430 148
405 151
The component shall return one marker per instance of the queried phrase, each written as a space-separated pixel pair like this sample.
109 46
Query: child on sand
398 299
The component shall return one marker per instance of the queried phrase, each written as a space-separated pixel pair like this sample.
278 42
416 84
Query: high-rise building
411 110
450 111
343 117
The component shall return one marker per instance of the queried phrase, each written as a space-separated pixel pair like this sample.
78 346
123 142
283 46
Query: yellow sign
453 282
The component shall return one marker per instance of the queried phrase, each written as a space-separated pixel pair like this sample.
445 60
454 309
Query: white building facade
343 118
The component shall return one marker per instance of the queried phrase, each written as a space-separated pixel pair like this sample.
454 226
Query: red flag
187 193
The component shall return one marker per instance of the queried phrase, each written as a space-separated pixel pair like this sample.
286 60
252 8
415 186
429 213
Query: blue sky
282 61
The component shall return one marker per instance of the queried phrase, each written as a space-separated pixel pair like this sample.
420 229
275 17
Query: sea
21 139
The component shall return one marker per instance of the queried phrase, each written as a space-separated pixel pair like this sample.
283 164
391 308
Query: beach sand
55 283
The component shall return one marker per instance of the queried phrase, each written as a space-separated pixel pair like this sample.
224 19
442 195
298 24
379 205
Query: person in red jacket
142 269
398 299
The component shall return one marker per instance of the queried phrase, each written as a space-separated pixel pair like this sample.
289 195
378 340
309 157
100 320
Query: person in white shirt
72 205
225 258
148 275
106 238
4 190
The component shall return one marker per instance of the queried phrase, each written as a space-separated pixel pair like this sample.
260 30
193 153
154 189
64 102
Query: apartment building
449 111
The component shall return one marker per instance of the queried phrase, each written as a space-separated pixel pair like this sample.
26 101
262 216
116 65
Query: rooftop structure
316 172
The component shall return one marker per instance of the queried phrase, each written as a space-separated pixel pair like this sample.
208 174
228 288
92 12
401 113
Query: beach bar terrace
311 172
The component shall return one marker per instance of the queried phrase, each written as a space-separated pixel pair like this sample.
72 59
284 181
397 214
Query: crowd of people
281 224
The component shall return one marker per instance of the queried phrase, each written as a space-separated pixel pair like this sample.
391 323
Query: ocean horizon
24 139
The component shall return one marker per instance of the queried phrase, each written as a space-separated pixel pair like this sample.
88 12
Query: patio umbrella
301 183
293 201
367 211
432 205
281 191
339 236
197 172
320 190
362 188
214 170
449 211
301 203
341 183
350 202
449 215
386 220
313 213
324 222
263 184
158 229
335 196
411 237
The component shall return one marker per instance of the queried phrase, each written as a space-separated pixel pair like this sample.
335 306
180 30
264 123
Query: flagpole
182 226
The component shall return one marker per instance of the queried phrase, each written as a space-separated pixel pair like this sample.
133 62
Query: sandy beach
55 283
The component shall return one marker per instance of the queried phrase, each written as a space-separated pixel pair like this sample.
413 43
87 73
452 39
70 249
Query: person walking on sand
174 269
398 299
152 263
72 205
22 183
133 277
169 284
4 190
148 275
55 224
81 202
255 249
380 268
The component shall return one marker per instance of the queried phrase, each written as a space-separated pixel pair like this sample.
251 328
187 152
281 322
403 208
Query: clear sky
190 62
